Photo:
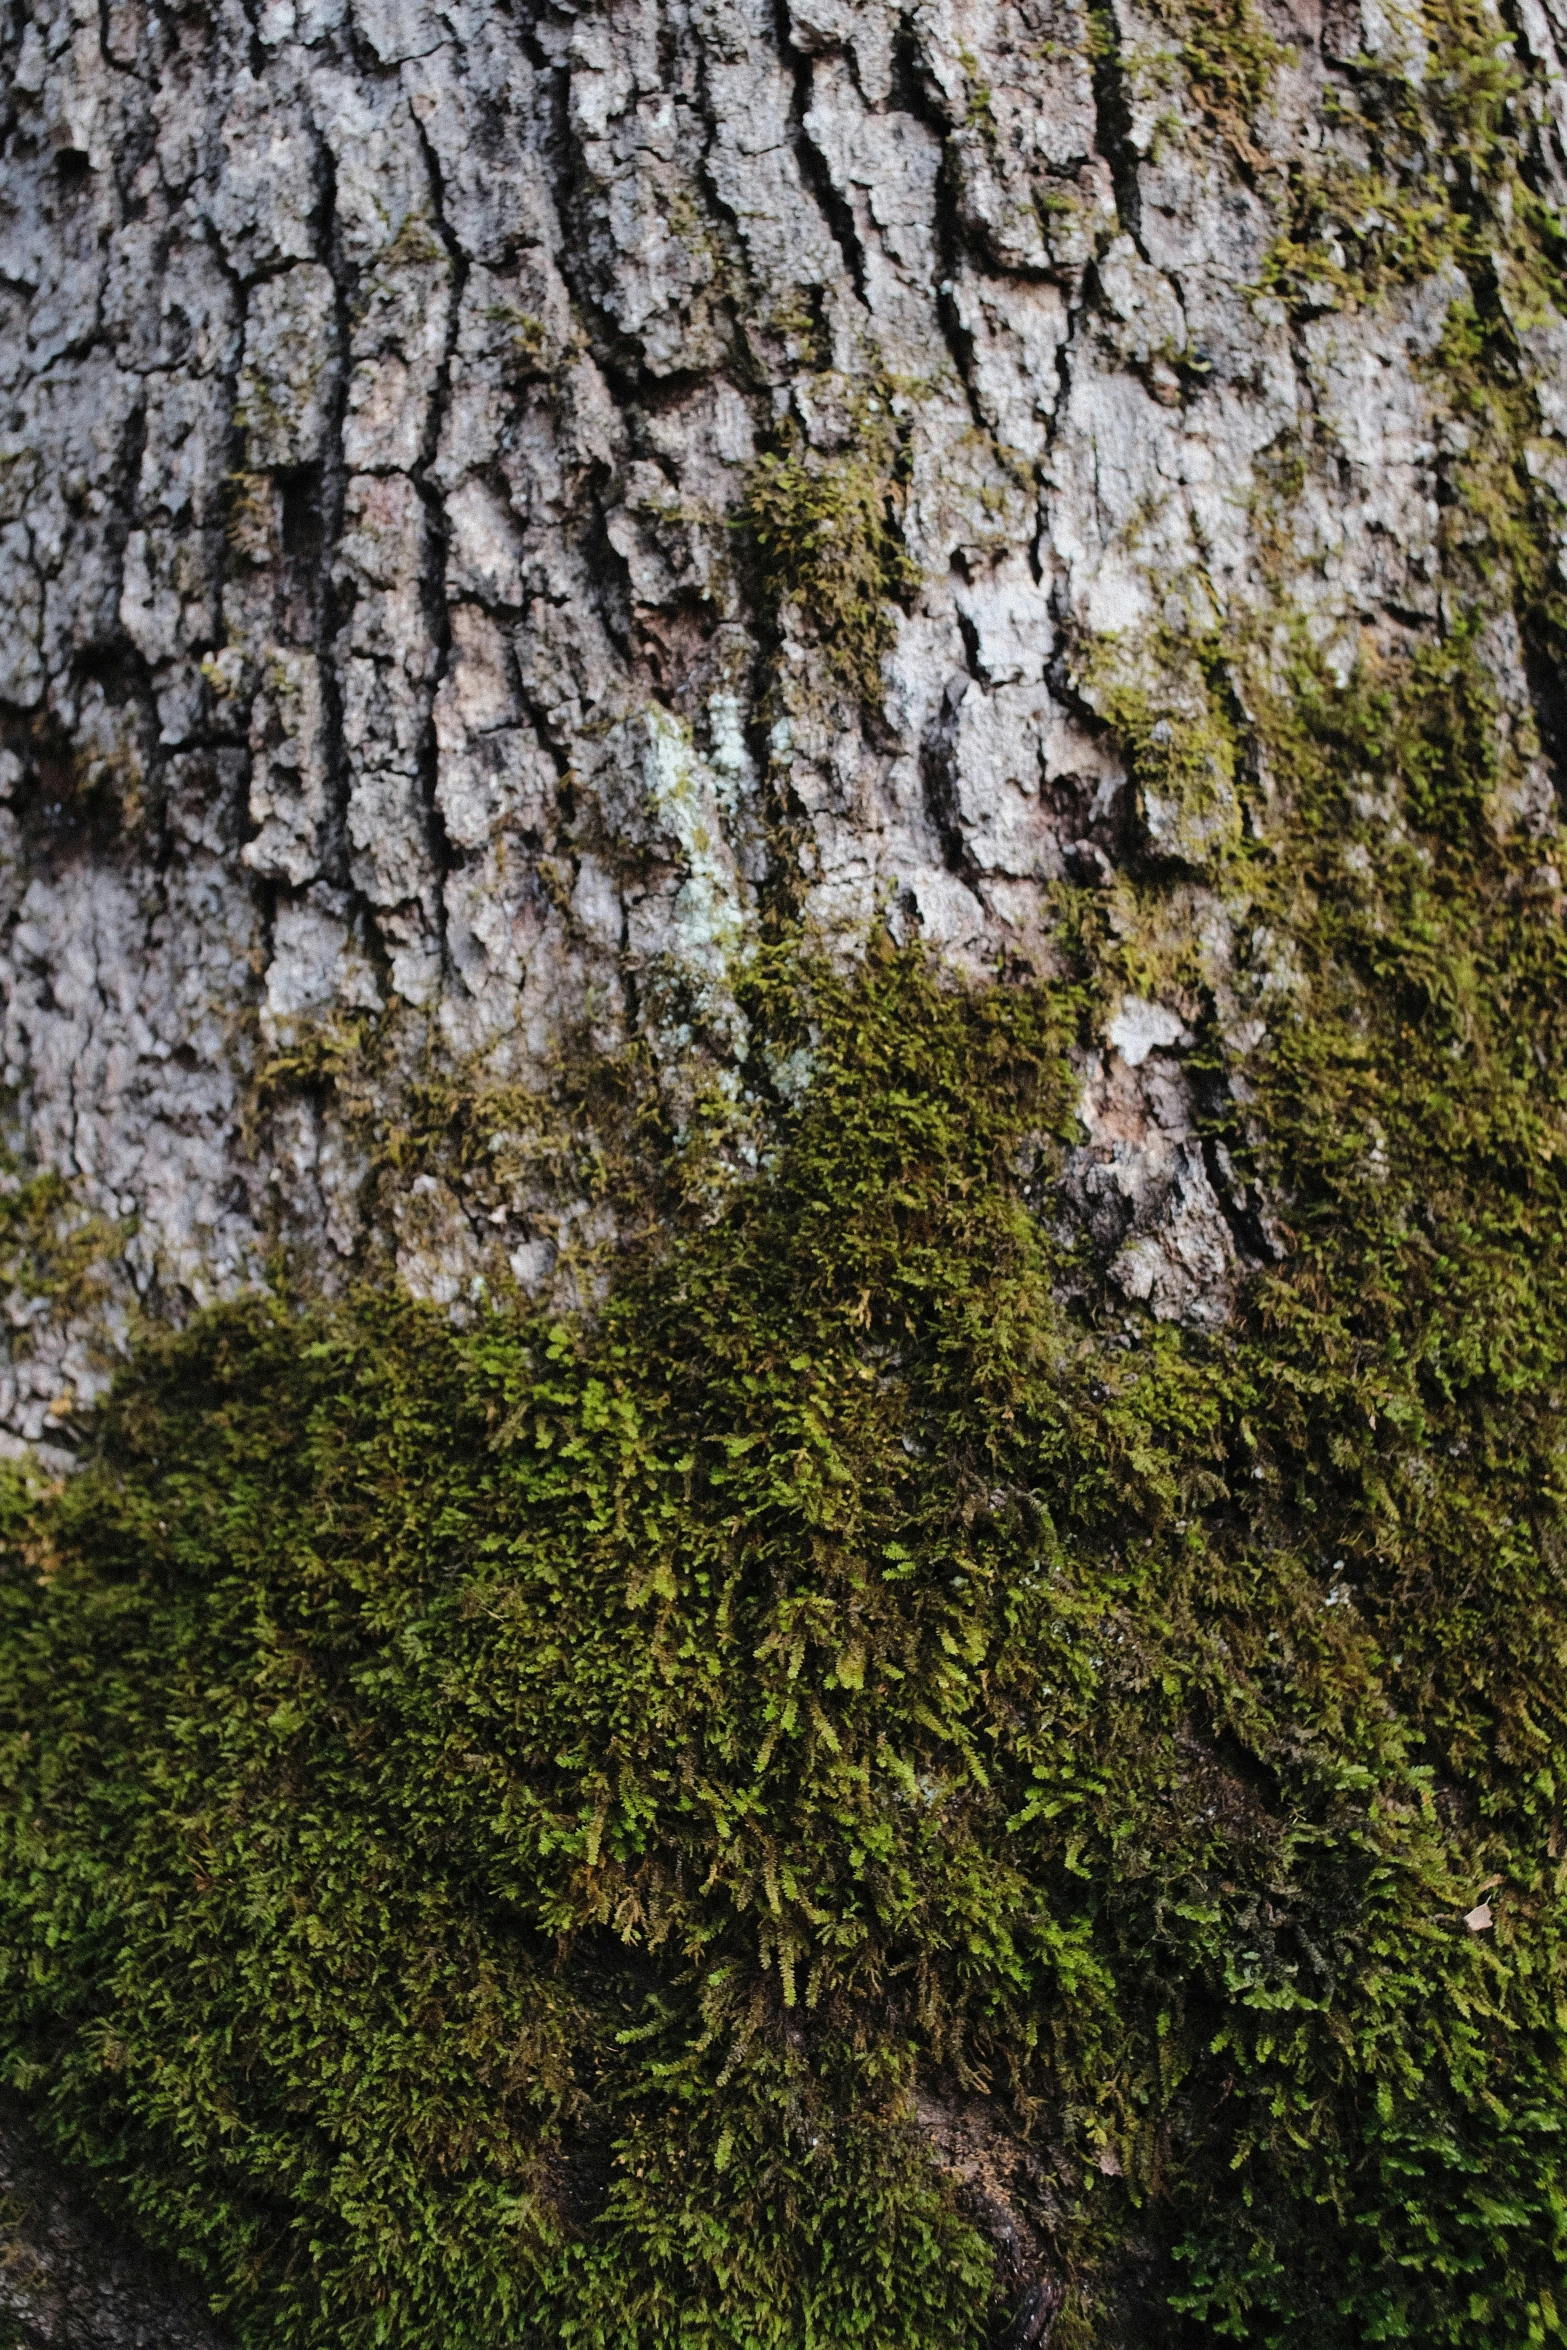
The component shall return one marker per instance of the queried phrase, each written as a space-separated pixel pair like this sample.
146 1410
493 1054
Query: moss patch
1168 701
497 1822
827 546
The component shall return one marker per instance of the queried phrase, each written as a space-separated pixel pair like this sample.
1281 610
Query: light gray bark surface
380 386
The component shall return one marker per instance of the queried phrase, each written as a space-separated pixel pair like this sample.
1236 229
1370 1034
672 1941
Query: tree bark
504 507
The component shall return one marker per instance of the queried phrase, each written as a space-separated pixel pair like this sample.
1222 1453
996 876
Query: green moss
1168 701
527 334
54 1262
611 1144
1231 60
1228 56
49 1250
1427 171
827 546
979 110
1429 183
497 1821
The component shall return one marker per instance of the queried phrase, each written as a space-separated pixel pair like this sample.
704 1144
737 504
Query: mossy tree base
842 1786
505 1826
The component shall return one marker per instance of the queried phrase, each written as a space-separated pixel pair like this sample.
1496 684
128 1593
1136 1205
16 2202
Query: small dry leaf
1479 1918
1109 2162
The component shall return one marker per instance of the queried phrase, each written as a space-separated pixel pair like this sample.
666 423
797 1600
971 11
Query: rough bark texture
498 503
383 389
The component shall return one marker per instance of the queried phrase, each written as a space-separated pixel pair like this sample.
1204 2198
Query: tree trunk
509 512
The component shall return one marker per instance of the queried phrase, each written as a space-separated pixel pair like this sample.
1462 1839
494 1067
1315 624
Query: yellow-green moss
827 547
497 1821
1166 698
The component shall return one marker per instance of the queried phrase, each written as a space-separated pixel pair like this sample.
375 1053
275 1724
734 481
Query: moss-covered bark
860 1727
502 1826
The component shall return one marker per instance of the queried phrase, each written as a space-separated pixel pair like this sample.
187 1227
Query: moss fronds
1428 171
1167 700
825 533
499 1821
498 1824
1231 60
